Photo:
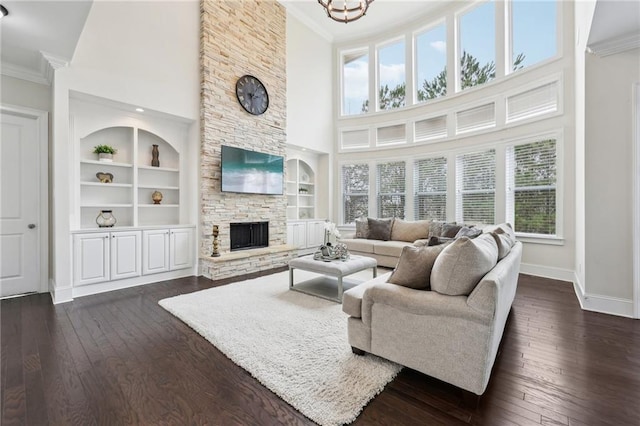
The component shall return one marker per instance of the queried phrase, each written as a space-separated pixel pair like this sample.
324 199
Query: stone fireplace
234 41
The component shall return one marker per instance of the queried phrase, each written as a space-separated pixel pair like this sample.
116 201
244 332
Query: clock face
252 95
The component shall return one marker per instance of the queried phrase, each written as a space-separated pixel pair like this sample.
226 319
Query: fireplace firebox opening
249 235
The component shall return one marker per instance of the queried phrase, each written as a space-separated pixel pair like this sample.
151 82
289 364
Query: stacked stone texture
238 38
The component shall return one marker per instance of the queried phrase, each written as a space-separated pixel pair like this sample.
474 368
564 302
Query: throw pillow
362 228
449 230
504 242
462 264
435 228
380 229
409 231
414 267
466 231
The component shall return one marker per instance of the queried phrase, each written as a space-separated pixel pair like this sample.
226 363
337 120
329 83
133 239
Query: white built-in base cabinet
306 235
104 261
166 250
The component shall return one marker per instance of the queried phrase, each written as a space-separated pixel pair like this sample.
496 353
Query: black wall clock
252 95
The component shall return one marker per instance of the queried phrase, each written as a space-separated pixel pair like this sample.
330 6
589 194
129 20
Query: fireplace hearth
249 235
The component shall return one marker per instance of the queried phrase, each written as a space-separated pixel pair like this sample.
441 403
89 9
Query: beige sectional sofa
452 330
402 233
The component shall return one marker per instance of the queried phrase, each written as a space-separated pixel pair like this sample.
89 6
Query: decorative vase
106 219
105 157
156 197
155 154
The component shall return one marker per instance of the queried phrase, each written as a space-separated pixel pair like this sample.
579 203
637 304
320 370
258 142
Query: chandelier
350 11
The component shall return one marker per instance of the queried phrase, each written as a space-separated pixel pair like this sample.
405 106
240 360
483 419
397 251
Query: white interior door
19 205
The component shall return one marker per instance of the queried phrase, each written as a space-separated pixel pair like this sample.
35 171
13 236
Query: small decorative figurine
156 197
104 177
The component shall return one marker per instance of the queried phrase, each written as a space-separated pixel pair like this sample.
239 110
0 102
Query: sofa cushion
414 267
380 229
359 244
389 248
409 230
462 264
362 228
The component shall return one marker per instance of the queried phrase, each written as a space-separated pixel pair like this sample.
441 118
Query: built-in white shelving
300 190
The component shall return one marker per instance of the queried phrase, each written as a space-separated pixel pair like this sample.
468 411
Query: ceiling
37 35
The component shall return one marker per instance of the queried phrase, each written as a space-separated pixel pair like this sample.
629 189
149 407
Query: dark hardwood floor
119 358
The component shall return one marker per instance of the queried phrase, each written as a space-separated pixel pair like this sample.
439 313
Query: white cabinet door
180 249
315 233
91 258
125 254
297 234
155 251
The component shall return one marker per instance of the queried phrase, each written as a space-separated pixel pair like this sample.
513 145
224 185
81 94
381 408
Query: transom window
391 76
355 82
477 49
431 63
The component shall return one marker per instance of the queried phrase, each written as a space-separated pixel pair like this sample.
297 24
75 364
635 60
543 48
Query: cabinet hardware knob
31 225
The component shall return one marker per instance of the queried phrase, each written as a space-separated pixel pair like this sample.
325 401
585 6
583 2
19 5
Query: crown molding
50 63
23 73
44 75
615 45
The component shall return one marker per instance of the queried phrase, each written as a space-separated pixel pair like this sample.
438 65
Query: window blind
476 187
430 188
531 187
391 135
430 128
480 117
355 139
390 183
534 102
355 192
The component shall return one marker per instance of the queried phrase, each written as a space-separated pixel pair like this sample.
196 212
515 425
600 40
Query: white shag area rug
294 344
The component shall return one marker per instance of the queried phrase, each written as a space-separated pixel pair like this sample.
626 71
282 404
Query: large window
355 80
355 192
430 188
477 48
531 187
390 181
476 187
431 63
391 76
533 32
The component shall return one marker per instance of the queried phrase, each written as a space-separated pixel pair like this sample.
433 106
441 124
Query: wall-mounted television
251 172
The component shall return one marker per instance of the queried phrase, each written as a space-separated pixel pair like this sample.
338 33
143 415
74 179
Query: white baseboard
547 272
603 304
60 294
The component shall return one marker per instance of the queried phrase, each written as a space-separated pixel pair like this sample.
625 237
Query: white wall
309 88
609 180
140 53
310 105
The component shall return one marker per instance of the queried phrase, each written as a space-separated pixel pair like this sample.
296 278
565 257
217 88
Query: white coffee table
335 268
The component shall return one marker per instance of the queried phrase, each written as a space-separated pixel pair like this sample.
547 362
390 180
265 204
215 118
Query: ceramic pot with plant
105 152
